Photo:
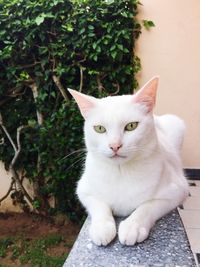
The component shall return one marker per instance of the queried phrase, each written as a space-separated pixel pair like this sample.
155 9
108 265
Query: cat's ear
147 94
85 102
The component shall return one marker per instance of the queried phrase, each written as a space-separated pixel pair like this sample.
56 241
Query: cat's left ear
85 102
147 94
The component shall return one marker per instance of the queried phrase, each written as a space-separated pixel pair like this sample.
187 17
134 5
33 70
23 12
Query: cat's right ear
85 102
147 94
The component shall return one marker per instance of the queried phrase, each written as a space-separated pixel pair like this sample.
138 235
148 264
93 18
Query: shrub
45 47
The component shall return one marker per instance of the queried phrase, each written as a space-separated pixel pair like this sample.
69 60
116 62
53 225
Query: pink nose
115 147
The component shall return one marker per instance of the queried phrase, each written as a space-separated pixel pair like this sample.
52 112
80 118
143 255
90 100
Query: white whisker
81 151
80 160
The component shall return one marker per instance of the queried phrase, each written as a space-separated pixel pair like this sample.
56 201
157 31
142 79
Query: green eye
131 126
99 129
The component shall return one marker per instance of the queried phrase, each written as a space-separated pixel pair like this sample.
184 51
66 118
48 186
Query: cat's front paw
131 232
103 232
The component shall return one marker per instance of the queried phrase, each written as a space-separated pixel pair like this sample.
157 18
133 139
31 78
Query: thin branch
17 179
17 152
30 65
52 33
60 87
7 134
13 162
34 89
17 93
99 83
17 149
118 88
81 78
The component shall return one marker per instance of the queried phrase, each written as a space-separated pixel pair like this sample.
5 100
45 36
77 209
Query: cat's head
119 128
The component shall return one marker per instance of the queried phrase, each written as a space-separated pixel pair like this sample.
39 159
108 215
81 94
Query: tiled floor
190 215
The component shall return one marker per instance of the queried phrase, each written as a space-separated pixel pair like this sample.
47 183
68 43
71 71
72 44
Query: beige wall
5 180
172 51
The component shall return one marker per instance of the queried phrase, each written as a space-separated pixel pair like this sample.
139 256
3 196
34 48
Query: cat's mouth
116 156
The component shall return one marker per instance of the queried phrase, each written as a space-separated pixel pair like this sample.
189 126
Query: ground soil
32 226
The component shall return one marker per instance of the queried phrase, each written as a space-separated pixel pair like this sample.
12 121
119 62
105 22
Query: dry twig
60 87
99 83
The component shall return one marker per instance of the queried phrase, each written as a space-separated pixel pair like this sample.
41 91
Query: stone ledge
167 246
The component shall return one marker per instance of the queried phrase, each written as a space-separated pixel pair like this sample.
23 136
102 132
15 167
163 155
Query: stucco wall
172 51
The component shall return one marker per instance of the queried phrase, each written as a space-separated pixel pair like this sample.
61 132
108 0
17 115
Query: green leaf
113 54
24 76
39 20
94 45
82 31
148 24
95 58
91 27
70 28
124 14
120 47
32 123
109 2
91 34
125 50
53 94
36 204
113 47
98 49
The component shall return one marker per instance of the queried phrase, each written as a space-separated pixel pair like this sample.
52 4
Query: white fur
145 183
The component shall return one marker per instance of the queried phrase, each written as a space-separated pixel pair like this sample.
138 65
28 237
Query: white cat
133 166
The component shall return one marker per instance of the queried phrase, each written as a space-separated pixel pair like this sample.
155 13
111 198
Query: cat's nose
115 146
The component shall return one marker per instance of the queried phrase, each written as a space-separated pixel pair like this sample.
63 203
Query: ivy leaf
91 27
113 47
94 45
113 54
120 47
32 123
82 31
148 24
70 28
109 2
40 19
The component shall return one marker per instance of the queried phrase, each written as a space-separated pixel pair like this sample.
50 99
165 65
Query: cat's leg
137 226
103 227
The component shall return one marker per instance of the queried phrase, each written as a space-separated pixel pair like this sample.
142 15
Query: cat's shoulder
171 127
169 121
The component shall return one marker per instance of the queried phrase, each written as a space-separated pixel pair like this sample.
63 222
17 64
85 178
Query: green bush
46 47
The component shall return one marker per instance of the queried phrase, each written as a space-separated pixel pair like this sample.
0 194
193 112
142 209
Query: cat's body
132 167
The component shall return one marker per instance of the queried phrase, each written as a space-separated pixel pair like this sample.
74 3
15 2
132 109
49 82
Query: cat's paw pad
102 233
131 232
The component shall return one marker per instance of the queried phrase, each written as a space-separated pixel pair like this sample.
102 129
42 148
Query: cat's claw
102 233
131 232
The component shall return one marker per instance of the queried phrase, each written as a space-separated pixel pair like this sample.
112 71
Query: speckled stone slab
167 246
